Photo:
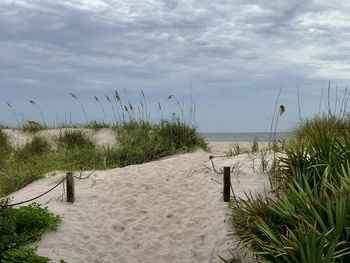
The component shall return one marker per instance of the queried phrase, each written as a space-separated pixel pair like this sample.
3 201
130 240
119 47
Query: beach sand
170 210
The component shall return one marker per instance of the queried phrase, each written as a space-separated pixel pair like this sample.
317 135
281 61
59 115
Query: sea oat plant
81 105
32 102
13 112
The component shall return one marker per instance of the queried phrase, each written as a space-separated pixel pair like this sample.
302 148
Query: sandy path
164 211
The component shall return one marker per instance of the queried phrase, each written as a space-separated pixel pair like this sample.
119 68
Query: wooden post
104 162
227 183
70 187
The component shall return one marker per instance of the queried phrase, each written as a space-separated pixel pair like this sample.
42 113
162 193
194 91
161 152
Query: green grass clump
255 145
73 139
180 136
138 143
21 226
308 218
17 172
142 142
32 126
36 147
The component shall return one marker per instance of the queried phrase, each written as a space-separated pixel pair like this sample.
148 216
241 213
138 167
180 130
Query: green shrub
320 144
21 226
23 255
308 219
300 225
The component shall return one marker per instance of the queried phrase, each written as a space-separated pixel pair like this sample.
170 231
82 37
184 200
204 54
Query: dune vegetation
307 217
139 140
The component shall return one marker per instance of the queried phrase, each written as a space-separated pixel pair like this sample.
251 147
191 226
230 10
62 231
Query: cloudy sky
236 55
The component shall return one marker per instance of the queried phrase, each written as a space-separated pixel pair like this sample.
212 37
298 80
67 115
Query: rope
34 198
48 191
219 156
221 171
86 177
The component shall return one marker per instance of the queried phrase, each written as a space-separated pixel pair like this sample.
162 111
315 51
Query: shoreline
244 136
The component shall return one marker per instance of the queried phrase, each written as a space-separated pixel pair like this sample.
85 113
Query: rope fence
68 178
34 198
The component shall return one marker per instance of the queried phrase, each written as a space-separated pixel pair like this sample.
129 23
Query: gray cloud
49 46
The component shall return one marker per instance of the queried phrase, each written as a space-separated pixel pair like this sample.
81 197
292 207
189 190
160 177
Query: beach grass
138 138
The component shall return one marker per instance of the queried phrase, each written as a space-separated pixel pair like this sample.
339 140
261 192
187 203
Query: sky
229 58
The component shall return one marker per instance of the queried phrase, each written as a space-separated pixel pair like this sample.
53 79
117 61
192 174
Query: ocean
243 136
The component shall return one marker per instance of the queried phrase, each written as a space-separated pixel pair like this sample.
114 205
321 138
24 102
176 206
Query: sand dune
169 210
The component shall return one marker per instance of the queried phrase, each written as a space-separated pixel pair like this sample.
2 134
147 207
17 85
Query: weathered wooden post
70 187
227 183
104 162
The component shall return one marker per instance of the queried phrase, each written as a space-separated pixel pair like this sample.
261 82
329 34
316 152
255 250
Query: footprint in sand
117 228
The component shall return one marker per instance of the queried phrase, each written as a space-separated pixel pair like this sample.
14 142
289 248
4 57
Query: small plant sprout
81 105
236 168
41 112
264 162
255 145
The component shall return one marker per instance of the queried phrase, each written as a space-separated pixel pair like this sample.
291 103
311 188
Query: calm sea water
242 136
